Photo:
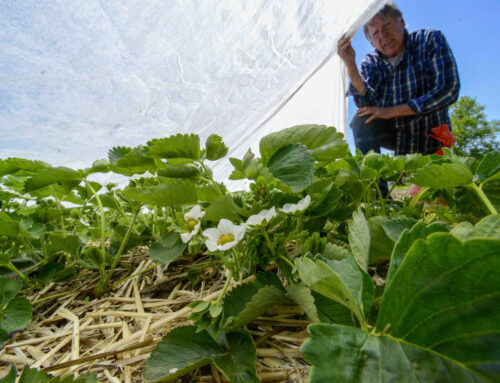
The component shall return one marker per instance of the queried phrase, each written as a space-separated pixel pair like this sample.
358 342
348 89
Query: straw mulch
71 332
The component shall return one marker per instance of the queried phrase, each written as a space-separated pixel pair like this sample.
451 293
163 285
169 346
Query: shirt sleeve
371 78
442 71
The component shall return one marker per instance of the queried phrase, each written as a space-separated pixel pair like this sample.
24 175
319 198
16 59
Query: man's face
387 35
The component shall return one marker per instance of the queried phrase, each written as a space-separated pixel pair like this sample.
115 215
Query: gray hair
389 10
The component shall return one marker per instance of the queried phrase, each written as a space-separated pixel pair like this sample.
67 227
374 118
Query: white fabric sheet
78 77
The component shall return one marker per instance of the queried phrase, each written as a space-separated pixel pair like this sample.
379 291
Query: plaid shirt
426 79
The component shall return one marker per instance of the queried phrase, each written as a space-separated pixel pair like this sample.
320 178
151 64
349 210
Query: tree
475 135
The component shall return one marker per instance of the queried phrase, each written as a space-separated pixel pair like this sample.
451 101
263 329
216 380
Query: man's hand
384 113
346 51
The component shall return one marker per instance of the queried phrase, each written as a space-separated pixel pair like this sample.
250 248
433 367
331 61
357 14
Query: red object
443 134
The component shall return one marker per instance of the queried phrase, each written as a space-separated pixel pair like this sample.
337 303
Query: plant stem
122 246
103 242
381 197
60 209
483 198
224 289
209 175
23 277
419 195
30 248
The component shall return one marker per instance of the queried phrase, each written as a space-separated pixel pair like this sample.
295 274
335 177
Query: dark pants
373 136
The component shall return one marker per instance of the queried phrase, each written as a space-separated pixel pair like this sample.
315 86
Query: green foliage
15 312
476 136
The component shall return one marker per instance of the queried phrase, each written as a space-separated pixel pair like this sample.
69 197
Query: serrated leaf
177 146
381 245
359 239
302 296
325 143
12 375
9 288
261 300
20 165
130 161
169 250
9 228
442 176
450 306
330 311
346 284
488 227
180 351
50 176
394 227
70 244
180 171
98 166
216 149
346 354
170 194
406 240
16 315
489 167
222 207
240 365
463 231
31 375
292 165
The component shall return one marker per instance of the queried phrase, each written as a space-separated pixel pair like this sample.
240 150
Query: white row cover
78 77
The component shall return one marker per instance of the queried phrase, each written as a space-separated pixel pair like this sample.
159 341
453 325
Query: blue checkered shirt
426 79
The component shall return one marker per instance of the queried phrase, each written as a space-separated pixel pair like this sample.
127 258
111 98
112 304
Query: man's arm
348 56
385 113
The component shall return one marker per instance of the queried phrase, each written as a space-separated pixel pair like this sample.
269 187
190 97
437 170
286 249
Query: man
404 87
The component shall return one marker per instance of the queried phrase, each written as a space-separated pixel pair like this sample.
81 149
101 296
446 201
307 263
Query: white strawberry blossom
225 237
263 218
193 220
291 208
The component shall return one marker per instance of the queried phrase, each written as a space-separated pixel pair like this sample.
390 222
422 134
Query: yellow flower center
191 224
225 238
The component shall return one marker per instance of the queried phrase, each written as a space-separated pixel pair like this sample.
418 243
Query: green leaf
348 284
488 227
9 288
50 176
359 239
222 207
450 306
20 165
246 302
406 240
293 165
16 315
216 149
130 161
443 176
463 231
188 170
9 228
178 146
489 168
330 311
98 166
169 250
381 245
346 354
31 375
302 296
325 143
70 244
11 376
56 272
174 193
182 350
240 365
394 227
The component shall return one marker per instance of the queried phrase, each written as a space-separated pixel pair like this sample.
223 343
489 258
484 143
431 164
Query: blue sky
472 29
